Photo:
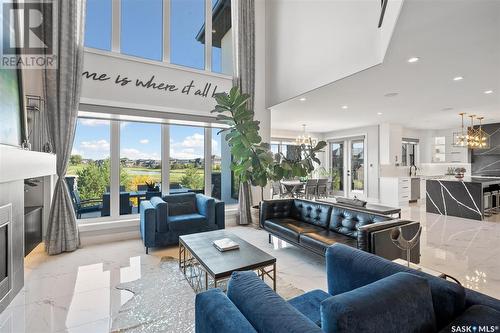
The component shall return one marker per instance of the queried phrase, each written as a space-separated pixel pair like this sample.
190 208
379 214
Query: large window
142 26
140 164
98 24
142 29
187 18
88 174
187 159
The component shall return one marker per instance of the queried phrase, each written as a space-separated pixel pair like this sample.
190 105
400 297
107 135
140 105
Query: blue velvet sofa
366 293
163 220
315 226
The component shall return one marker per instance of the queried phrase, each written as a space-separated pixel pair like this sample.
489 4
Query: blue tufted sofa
315 226
366 293
163 220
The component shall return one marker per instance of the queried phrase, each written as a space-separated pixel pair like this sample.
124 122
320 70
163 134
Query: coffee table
202 263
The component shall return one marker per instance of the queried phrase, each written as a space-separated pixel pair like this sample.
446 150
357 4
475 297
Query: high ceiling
451 38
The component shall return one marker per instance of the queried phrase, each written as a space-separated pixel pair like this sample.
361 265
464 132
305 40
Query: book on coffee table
225 244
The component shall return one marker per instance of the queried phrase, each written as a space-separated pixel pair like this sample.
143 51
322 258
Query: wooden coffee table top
222 264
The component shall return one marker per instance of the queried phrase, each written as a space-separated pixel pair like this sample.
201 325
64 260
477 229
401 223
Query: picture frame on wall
13 117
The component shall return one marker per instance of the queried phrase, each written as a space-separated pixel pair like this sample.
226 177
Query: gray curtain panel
63 97
243 23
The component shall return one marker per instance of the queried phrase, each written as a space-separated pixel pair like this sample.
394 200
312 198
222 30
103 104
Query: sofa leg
269 238
147 250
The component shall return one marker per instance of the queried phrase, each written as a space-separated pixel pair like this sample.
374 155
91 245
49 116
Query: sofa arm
148 223
376 238
161 208
399 303
263 308
365 231
206 207
275 209
215 313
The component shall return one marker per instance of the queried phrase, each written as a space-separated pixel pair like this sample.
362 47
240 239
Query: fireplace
5 250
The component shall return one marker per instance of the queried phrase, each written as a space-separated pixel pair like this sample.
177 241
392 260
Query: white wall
227 53
372 151
108 93
315 42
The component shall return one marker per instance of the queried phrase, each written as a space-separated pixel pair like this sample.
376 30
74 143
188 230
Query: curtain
243 23
63 96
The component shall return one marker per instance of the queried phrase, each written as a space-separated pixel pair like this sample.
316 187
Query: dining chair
322 188
310 189
277 190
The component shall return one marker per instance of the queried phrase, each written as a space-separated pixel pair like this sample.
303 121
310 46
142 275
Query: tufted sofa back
311 212
346 221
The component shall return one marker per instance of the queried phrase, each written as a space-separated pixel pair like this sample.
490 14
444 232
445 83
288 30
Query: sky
140 140
141 35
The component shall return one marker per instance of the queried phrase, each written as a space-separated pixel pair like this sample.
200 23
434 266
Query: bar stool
495 201
487 203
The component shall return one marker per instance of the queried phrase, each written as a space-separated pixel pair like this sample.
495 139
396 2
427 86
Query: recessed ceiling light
344 107
379 113
458 78
413 59
391 94
302 99
487 92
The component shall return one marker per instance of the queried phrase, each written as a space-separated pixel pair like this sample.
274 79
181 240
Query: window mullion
165 159
115 169
166 31
208 35
116 26
208 161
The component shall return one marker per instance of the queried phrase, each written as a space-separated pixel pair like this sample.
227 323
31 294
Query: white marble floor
74 292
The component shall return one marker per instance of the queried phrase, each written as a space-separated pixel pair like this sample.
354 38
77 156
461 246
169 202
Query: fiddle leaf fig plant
253 160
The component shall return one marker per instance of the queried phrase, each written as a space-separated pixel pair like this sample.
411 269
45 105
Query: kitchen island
458 197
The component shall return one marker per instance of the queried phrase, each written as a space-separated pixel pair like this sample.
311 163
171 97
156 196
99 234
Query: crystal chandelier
305 139
471 137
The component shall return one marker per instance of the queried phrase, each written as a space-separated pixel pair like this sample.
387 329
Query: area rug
163 301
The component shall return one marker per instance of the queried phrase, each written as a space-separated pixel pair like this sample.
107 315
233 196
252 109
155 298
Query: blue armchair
163 220
366 293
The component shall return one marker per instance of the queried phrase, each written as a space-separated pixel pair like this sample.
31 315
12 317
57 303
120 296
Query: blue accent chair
366 293
163 220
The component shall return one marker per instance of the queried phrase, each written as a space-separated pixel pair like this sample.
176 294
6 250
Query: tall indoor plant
253 162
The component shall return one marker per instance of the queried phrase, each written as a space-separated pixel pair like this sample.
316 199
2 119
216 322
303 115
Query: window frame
116 7
115 149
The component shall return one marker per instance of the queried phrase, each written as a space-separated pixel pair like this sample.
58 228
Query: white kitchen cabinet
395 191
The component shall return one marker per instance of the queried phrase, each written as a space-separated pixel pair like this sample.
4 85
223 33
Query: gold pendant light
471 137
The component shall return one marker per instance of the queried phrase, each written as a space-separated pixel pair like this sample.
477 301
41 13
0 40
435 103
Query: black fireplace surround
4 260
316 226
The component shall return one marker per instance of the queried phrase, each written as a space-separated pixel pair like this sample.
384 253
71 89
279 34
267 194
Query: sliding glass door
347 167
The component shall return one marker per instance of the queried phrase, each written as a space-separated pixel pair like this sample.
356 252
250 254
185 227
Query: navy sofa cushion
263 308
347 221
400 301
348 269
311 212
215 313
181 204
309 304
476 315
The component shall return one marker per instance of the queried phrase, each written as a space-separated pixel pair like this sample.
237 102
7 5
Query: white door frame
347 142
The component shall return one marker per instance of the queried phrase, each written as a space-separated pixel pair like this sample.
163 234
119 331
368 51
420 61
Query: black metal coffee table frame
202 277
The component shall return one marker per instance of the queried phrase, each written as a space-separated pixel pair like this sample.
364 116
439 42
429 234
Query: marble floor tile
74 292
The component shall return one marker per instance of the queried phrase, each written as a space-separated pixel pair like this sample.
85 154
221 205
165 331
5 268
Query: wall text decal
204 90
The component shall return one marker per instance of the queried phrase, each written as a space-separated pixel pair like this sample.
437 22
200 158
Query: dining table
292 187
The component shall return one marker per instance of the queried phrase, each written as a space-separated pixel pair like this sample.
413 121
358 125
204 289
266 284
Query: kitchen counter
458 197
